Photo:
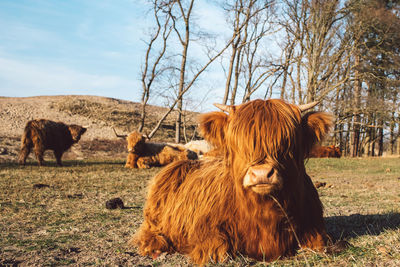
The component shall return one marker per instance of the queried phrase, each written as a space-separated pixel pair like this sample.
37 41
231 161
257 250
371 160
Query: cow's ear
316 126
212 127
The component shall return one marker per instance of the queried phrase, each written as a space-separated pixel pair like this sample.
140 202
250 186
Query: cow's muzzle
262 179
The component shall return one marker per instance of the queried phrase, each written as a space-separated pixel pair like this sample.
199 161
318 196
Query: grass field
64 221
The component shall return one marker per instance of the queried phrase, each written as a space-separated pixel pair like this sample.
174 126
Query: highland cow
325 152
42 135
144 154
254 199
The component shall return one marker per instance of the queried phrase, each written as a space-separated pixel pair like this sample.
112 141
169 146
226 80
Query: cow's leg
131 161
216 249
39 154
314 235
58 155
150 243
145 162
23 154
322 242
315 241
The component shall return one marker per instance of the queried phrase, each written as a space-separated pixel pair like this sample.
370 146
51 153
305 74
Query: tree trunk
348 139
178 124
392 134
235 44
230 71
145 98
380 139
237 73
398 145
373 139
357 108
181 89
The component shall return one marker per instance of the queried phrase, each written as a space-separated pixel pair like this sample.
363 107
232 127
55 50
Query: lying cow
42 135
325 152
255 198
144 154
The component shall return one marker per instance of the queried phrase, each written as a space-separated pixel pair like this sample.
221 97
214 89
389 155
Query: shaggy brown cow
144 154
45 134
325 152
254 199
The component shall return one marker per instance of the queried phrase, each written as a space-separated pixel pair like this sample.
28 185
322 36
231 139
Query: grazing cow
325 152
254 199
45 134
144 154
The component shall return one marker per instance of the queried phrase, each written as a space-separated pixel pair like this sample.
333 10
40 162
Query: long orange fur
201 209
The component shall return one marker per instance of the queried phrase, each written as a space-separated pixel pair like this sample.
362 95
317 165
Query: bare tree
321 47
344 53
151 70
236 10
183 36
180 13
250 21
256 67
377 60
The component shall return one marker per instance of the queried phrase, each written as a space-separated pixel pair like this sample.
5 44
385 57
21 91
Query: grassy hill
99 114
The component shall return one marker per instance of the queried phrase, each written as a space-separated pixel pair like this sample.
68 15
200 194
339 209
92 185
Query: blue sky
69 47
94 47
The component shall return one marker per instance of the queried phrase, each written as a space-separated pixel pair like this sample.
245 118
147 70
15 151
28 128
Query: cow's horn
119 135
308 106
223 107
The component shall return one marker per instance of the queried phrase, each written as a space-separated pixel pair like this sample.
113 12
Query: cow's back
53 135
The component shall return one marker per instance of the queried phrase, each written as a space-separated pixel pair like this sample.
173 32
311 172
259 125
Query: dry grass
66 222
125 117
100 114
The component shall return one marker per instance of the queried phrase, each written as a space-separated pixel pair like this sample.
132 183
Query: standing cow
42 135
255 198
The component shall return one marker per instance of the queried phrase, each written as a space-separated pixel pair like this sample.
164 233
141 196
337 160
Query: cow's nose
260 174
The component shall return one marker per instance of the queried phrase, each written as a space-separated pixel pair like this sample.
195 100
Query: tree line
345 54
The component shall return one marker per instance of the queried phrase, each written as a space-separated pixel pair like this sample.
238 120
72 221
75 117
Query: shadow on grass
345 227
66 163
71 163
